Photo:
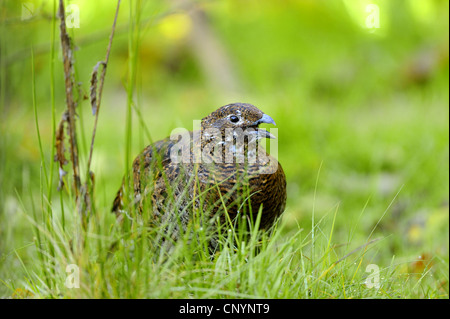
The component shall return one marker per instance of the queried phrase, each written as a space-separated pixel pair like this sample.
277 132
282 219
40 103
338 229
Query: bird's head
244 116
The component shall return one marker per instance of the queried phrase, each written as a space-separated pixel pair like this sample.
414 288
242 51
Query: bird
214 174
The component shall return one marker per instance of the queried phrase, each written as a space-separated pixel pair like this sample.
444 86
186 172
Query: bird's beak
267 120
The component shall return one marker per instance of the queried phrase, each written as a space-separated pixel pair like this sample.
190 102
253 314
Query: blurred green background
361 108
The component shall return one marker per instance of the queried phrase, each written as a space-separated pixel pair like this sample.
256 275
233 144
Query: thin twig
98 99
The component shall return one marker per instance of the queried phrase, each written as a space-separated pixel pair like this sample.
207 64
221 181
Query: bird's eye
234 118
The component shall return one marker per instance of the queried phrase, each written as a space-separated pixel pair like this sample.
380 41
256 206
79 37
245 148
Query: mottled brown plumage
217 170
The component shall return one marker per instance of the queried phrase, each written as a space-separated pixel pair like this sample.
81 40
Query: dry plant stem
69 83
97 99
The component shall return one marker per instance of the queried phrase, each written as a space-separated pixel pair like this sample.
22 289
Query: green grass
293 262
285 264
365 153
